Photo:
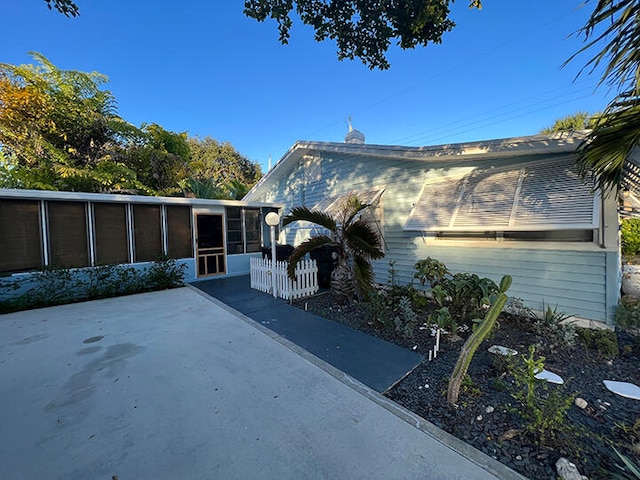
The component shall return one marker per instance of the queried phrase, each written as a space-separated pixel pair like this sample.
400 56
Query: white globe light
272 219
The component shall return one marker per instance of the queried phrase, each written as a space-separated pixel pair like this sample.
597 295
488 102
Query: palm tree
356 243
614 25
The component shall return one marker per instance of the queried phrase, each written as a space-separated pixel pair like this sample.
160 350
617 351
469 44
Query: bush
430 271
378 315
56 286
630 236
604 342
555 327
467 293
406 319
627 313
544 407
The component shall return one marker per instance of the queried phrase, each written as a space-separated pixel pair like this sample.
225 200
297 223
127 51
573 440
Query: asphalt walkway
174 384
375 362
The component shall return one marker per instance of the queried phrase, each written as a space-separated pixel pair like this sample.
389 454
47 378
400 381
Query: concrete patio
173 384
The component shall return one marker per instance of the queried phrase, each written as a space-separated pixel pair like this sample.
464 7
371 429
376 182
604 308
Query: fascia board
20 194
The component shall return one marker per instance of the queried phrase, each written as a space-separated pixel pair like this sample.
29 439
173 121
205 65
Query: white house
510 206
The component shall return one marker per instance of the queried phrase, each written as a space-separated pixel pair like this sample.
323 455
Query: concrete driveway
173 385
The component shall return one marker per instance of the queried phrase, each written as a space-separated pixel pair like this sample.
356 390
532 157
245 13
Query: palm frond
621 38
305 247
306 214
364 274
351 207
630 470
603 153
363 239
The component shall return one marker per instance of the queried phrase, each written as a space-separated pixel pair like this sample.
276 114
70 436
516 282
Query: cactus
475 339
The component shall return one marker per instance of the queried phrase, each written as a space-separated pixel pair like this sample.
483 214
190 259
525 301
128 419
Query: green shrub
443 319
630 236
544 407
467 293
397 292
56 286
430 271
602 341
165 273
406 319
378 314
517 308
627 313
555 327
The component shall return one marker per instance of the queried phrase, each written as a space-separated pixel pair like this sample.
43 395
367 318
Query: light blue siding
578 282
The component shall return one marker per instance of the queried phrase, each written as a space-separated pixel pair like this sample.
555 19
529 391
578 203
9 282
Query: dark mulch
487 415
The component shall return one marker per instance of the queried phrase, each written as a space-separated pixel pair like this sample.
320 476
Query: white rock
580 403
550 377
479 418
568 471
500 350
489 409
624 389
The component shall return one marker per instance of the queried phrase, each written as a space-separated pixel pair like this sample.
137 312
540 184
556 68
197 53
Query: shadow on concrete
374 362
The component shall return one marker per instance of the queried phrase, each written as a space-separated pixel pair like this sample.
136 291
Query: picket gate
263 277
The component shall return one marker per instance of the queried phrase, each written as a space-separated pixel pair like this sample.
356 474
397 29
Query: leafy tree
202 188
223 164
570 123
614 28
362 29
355 240
57 126
159 158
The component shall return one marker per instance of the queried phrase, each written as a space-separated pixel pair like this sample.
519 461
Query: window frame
243 243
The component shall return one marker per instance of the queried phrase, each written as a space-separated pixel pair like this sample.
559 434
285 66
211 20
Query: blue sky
204 68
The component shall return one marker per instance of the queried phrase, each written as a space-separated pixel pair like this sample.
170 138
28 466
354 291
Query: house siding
573 279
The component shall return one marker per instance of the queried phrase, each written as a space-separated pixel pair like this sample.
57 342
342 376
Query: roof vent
353 136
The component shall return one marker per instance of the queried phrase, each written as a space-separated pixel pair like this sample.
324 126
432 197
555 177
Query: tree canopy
570 123
59 130
362 29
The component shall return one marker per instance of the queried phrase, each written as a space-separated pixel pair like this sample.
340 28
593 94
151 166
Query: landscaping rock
580 403
568 471
500 350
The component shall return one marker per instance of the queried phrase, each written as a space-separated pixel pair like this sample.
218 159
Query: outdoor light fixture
273 219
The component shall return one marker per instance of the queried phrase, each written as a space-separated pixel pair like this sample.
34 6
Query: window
67 233
538 196
252 231
179 236
234 230
21 238
110 233
147 232
244 232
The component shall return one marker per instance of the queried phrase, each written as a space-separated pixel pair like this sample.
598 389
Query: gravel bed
487 416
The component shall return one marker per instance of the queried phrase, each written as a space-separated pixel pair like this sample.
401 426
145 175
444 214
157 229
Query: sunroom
40 229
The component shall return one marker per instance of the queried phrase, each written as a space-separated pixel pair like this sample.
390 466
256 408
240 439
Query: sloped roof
565 142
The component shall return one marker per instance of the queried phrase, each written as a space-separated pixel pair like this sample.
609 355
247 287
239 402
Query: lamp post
273 219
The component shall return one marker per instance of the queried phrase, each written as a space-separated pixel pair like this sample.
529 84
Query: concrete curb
474 455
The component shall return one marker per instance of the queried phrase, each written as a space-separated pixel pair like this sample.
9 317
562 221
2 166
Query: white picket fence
305 284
